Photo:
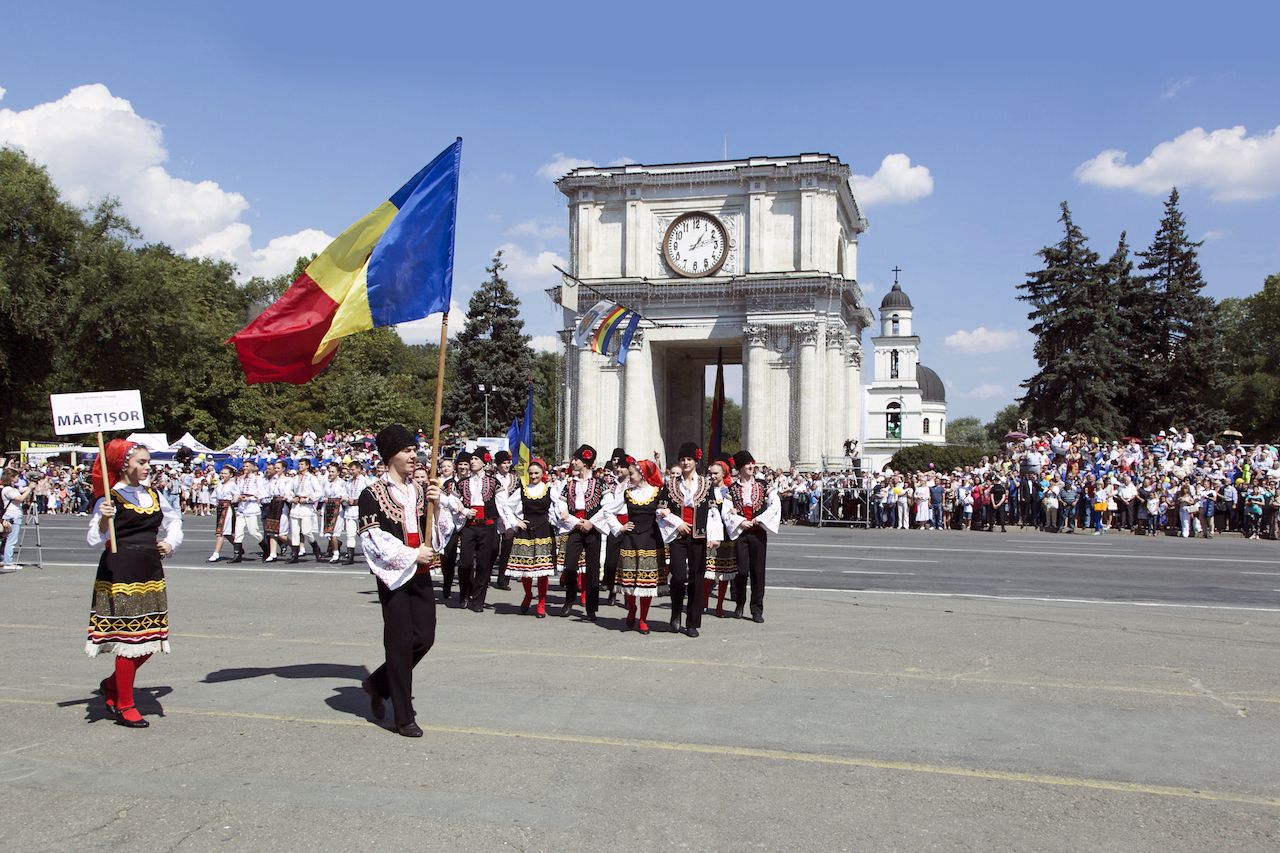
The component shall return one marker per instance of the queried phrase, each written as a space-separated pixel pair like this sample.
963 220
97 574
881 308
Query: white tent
189 441
153 441
236 447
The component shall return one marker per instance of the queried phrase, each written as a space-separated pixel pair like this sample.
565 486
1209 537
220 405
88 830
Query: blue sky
226 127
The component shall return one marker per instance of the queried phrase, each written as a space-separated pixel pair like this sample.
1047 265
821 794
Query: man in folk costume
251 491
615 479
750 514
477 504
307 492
393 537
449 492
509 484
582 517
355 482
277 508
684 525
448 523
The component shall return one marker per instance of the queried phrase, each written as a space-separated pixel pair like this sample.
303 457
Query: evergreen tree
1073 316
1132 301
492 350
1186 350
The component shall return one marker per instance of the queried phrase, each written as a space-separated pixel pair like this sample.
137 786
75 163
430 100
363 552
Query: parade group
675 534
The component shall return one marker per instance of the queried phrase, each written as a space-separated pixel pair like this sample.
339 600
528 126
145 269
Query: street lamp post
486 391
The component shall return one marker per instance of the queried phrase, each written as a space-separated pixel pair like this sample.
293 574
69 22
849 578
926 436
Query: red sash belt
580 513
479 512
686 515
414 540
748 512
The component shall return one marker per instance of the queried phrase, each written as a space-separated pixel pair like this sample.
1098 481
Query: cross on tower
896 270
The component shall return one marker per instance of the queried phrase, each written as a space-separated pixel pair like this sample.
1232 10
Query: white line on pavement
1006 551
780 569
870 559
1266 574
1029 598
216 568
866 572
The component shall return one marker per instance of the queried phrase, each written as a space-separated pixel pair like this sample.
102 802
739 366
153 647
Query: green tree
730 425
1073 317
966 431
1004 422
1251 373
548 379
1185 352
40 239
492 350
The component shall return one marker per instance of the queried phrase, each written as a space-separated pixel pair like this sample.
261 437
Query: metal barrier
844 507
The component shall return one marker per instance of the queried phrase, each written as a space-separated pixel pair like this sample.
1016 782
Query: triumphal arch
755 260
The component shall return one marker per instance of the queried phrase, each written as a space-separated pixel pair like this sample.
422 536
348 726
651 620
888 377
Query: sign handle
106 488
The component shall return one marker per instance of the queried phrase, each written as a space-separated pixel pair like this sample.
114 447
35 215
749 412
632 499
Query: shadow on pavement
299 670
147 700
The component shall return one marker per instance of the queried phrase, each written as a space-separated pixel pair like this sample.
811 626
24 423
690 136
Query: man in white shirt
307 492
251 491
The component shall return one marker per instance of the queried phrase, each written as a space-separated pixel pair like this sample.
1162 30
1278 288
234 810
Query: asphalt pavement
908 691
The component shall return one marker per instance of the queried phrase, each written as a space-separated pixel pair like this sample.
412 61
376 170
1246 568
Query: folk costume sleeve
772 515
615 509
715 521
390 559
510 508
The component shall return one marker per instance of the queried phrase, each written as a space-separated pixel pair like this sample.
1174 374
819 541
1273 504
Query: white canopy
236 447
189 441
153 441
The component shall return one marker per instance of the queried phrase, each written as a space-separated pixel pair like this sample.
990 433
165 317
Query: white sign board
96 411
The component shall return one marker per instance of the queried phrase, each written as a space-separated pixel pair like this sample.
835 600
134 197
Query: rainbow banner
392 266
609 326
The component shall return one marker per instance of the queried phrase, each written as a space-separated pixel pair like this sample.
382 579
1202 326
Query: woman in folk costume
129 612
401 555
224 497
750 515
722 558
632 515
335 492
530 511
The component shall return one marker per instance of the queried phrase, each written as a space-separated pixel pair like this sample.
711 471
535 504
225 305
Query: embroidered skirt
642 568
532 556
562 540
271 518
722 562
129 611
225 525
332 512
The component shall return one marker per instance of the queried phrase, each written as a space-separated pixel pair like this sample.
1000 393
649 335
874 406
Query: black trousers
408 632
579 543
612 551
688 562
475 556
752 547
448 563
504 554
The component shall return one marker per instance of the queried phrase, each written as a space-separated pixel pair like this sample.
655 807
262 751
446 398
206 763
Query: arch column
755 422
853 415
836 403
638 393
811 407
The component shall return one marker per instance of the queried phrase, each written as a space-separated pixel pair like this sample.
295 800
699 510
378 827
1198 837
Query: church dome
931 389
895 298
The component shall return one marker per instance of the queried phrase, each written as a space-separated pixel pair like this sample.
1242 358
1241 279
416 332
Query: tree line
86 303
1130 345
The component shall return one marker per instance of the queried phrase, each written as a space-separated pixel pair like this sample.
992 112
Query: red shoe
524 605
542 610
644 627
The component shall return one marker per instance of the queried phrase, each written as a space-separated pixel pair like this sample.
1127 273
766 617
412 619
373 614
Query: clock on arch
696 244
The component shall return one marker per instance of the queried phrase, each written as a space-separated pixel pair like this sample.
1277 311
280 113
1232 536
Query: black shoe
130 724
758 618
566 608
315 551
612 600
692 632
351 557
524 608
294 558
504 586
675 625
737 611
591 616
239 557
377 705
410 730
476 607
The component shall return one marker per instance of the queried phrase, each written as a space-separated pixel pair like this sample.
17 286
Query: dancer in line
530 513
129 613
641 556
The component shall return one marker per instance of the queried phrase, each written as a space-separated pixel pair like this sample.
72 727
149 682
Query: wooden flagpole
435 435
106 490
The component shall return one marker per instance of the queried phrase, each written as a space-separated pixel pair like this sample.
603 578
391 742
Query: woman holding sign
129 614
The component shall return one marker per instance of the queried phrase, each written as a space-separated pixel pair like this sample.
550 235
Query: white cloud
622 161
896 181
1214 234
542 229
985 392
94 145
427 331
3 91
529 271
1172 90
982 340
1227 162
545 343
560 165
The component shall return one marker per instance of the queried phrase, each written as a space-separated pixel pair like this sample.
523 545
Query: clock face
696 244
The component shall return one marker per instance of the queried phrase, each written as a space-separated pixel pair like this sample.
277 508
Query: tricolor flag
609 326
520 440
717 410
393 266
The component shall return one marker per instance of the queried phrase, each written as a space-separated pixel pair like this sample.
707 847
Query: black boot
315 550
239 557
351 557
677 601
293 555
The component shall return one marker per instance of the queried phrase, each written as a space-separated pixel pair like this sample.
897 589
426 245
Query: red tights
631 609
543 583
126 670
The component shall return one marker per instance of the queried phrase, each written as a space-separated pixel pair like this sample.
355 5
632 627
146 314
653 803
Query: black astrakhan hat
501 456
743 457
618 455
463 458
690 450
393 439
586 454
